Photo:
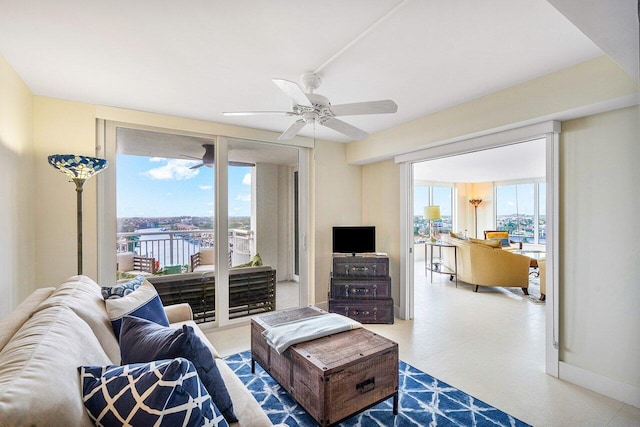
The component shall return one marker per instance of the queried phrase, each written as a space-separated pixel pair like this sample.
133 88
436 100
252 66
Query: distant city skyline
161 187
506 199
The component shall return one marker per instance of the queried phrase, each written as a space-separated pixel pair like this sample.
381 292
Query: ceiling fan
208 158
314 108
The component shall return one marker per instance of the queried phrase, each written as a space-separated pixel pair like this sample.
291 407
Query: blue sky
153 187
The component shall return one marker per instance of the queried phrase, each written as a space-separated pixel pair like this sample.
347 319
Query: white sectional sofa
56 330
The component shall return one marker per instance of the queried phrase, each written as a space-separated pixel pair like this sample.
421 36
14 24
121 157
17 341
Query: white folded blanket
283 336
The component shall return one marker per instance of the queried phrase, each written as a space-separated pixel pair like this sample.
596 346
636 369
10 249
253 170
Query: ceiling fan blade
292 130
293 91
370 107
197 166
345 128
258 113
237 163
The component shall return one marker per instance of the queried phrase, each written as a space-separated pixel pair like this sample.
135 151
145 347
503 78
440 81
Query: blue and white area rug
423 401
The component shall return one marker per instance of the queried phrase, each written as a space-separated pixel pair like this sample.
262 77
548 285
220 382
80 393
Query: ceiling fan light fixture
314 108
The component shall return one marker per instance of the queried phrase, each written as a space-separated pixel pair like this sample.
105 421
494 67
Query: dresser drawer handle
359 291
357 312
366 385
363 268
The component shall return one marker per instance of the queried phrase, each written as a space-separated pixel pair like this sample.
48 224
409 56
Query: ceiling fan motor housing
310 81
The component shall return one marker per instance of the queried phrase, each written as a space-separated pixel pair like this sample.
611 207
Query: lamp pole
79 183
79 169
476 203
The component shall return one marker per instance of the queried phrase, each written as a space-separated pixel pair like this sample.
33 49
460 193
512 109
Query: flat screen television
354 240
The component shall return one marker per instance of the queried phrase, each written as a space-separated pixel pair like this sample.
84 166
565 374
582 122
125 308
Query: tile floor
488 344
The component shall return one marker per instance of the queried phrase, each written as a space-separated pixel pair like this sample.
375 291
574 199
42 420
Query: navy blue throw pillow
143 341
162 393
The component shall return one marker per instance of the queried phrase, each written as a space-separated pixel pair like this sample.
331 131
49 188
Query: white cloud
157 159
206 187
247 179
174 169
244 197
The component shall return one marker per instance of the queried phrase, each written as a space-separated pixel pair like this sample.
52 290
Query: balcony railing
175 247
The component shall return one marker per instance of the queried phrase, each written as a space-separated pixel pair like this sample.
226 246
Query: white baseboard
323 305
626 393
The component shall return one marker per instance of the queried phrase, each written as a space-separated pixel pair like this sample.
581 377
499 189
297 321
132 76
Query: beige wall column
338 201
599 274
17 252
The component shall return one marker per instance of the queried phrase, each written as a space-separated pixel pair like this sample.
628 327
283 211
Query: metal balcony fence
173 248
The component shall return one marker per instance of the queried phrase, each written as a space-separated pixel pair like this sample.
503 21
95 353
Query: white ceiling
517 161
199 58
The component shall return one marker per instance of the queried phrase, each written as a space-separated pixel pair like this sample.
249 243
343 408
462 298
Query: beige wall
338 201
599 269
381 207
61 127
17 254
595 81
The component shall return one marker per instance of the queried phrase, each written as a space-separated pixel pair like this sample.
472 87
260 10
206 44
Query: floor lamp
431 213
79 169
476 203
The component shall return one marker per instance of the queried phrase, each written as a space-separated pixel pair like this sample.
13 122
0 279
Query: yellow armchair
504 236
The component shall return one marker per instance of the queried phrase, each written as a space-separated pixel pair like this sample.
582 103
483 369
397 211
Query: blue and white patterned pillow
160 393
122 289
144 302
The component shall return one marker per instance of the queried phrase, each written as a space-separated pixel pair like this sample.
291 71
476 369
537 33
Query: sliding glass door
169 194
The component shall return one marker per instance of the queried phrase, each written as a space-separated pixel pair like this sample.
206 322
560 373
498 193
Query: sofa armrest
178 312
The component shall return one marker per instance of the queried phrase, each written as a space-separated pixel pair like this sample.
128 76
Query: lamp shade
77 167
432 212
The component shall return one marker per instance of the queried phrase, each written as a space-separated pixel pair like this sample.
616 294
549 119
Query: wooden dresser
360 287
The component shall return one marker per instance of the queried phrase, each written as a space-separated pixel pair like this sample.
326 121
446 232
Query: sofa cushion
82 296
39 382
124 261
256 261
143 341
503 242
159 393
208 256
458 236
144 302
10 324
490 243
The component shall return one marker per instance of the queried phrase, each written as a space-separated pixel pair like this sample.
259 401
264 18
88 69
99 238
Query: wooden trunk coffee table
332 377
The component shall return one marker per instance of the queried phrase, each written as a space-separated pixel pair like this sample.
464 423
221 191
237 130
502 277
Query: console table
435 263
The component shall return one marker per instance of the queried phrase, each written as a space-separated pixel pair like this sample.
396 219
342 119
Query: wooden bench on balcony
204 260
252 290
129 263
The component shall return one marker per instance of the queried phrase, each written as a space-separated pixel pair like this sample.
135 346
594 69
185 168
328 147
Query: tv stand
361 287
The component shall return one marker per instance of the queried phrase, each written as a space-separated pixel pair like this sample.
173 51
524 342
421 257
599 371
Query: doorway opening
464 218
